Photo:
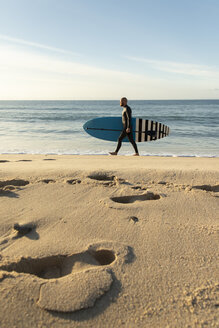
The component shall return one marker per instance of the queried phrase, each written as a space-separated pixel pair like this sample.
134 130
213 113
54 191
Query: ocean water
56 127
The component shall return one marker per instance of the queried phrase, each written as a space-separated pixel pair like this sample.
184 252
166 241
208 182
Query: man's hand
128 130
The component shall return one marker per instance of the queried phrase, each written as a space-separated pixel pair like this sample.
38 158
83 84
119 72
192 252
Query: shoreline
107 154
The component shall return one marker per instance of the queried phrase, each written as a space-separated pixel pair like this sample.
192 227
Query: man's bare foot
136 154
113 153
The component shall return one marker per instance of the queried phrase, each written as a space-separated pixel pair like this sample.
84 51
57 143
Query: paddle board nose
85 126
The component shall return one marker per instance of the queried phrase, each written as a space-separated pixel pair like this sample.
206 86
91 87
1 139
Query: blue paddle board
109 128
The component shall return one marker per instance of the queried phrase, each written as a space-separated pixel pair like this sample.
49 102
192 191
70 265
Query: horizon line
170 99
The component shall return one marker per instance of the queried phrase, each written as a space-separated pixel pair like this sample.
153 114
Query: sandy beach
100 241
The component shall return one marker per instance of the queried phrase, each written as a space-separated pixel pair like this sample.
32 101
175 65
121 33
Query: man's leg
121 137
130 137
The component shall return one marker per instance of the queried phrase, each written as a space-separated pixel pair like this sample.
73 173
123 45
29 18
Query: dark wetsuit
127 124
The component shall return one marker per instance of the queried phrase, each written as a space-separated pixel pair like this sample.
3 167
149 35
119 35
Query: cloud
25 74
17 60
179 68
35 45
29 74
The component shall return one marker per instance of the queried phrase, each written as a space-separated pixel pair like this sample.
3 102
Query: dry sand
103 241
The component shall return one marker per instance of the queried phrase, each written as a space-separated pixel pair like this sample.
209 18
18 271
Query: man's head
123 101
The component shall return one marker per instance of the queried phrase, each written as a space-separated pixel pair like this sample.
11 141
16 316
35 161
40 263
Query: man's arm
128 120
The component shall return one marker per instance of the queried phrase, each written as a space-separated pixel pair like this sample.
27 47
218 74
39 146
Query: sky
99 49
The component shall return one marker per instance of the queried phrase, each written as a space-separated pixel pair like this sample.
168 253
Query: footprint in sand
47 181
107 179
14 182
207 188
72 282
4 161
139 188
7 187
24 160
134 198
49 159
19 230
101 177
73 181
23 229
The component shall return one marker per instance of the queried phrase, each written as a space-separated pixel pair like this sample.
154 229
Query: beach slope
100 241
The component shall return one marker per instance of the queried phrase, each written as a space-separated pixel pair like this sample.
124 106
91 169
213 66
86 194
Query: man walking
127 127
